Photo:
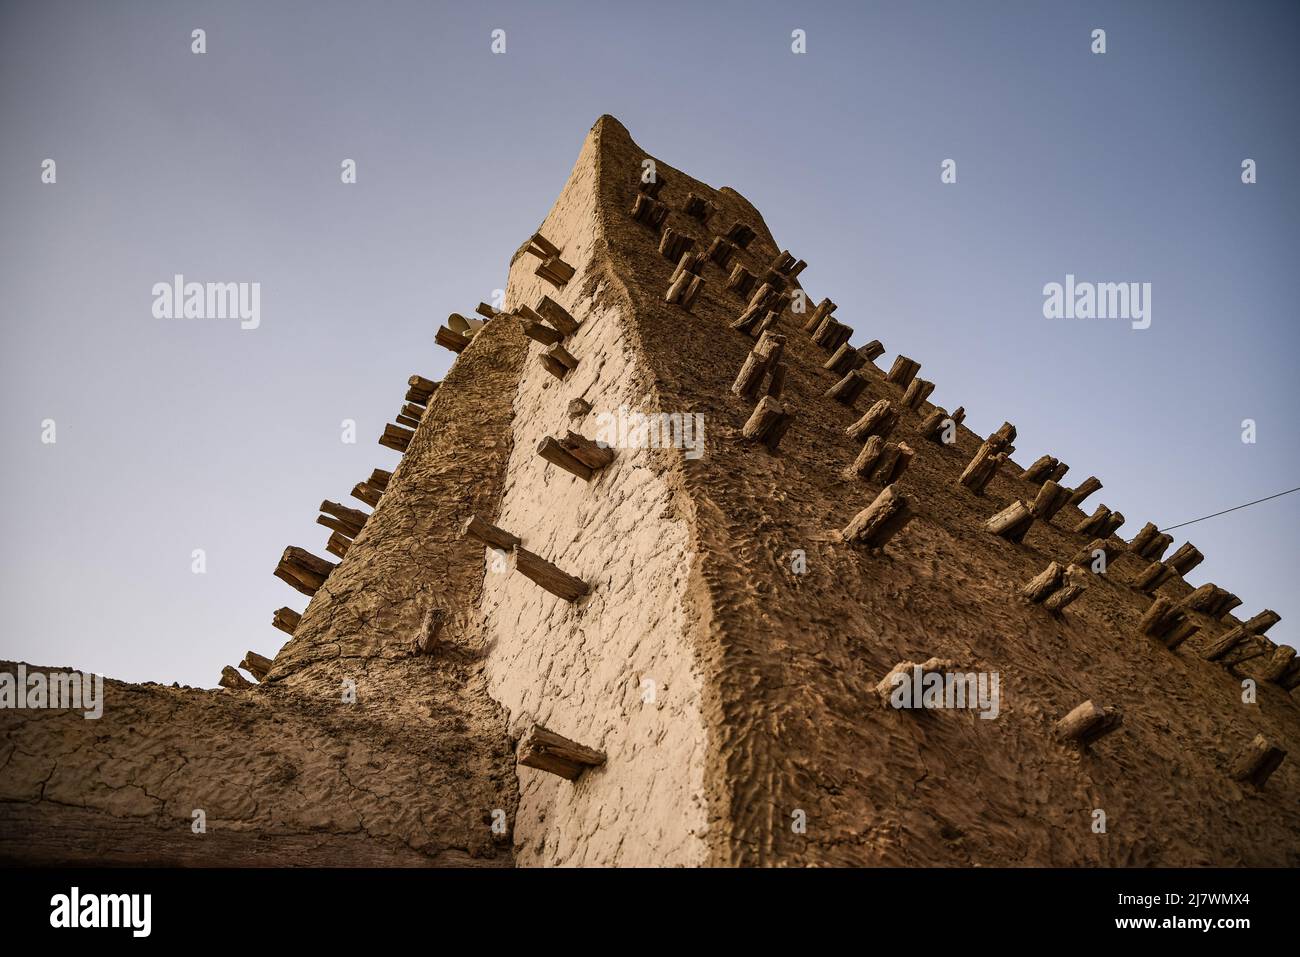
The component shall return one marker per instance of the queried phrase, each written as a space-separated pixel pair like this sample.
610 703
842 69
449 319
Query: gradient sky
178 435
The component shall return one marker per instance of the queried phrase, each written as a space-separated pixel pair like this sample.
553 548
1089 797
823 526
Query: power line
1233 509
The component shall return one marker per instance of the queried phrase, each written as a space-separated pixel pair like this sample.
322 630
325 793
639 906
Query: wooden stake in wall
764 357
1086 488
880 420
903 371
1162 620
232 680
540 332
256 665
426 639
1012 523
760 303
1098 523
933 425
1262 622
1256 762
555 271
847 390
1041 470
286 619
555 754
699 208
832 334
768 423
880 521
1253 628
1088 554
741 235
488 534
824 309
529 564
918 390
1057 601
302 570
557 316
720 253
1225 643
684 288
1088 723
1210 599
370 490
449 339
845 360
558 361
690 262
886 686
984 465
1050 500
541 572
868 458
397 438
420 389
1044 583
654 186
1185 559
552 268
1281 662
576 454
673 243
872 351
786 265
741 281
649 211
340 518
894 459
338 544
1143 539
1152 577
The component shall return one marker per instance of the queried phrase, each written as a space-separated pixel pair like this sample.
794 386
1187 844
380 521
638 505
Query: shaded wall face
406 772
795 732
410 555
615 670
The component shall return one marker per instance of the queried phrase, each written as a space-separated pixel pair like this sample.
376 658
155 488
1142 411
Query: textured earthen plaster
614 670
764 677
288 771
789 660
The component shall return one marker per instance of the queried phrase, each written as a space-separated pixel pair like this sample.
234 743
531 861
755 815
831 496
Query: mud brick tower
534 649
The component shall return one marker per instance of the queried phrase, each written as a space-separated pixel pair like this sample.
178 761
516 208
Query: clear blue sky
174 436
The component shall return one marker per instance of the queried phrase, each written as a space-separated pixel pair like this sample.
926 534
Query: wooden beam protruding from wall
1088 723
555 754
303 570
575 454
880 521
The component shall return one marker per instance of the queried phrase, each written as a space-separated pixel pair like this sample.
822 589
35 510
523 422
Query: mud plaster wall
283 779
585 670
792 659
287 772
410 555
764 699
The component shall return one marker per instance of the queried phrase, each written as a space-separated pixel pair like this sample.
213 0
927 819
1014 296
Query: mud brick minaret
534 650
